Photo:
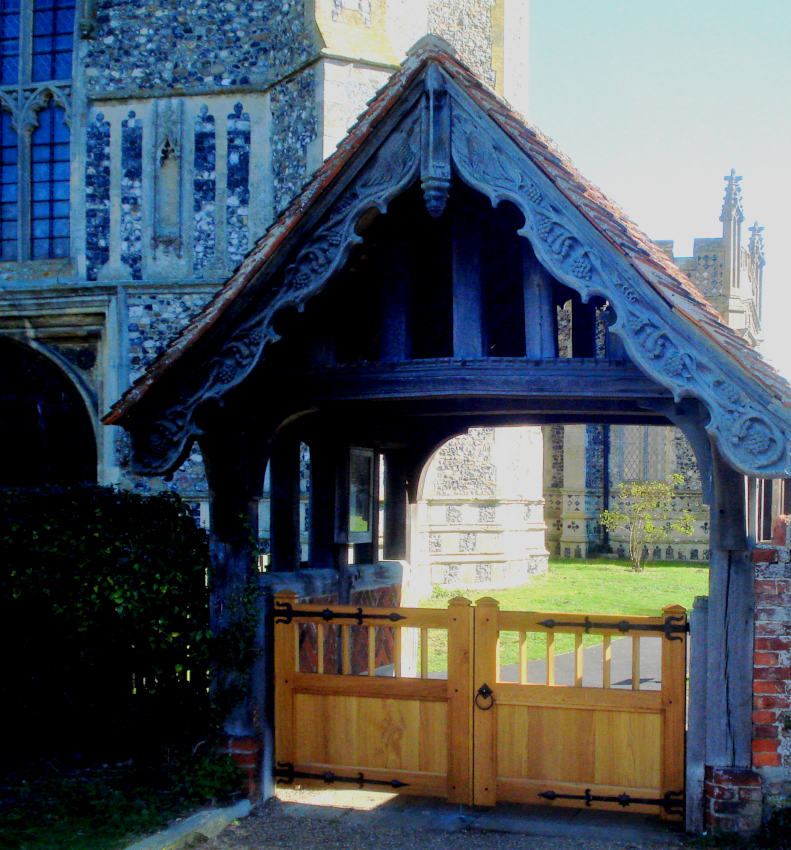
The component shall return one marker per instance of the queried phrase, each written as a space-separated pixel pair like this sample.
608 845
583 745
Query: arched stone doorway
46 434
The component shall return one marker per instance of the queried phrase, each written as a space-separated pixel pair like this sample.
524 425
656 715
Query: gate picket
472 738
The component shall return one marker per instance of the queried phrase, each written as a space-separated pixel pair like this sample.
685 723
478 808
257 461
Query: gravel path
287 824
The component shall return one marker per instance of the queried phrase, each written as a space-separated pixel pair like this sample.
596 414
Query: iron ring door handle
484 693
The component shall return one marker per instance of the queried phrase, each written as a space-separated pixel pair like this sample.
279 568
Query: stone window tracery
36 46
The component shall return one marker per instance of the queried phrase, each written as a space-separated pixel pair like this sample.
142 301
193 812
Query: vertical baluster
397 652
578 660
320 647
550 658
635 663
296 647
346 650
522 658
424 653
371 650
606 659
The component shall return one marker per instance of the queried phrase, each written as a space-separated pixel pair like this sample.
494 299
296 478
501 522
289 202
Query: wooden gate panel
627 749
394 732
551 742
402 734
470 737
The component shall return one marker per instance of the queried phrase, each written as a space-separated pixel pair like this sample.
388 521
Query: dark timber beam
468 378
284 476
467 292
324 552
540 332
395 506
235 466
396 271
730 618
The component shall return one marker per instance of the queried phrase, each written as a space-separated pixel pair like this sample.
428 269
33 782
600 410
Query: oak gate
358 705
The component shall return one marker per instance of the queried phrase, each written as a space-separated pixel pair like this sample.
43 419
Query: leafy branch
645 513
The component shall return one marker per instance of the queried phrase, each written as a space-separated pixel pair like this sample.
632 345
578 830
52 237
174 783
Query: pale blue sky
656 101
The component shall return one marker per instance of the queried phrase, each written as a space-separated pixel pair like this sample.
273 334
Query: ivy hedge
104 621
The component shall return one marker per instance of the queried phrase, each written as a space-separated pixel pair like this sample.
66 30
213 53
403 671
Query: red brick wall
772 665
733 799
246 752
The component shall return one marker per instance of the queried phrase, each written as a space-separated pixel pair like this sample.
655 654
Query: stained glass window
36 46
49 187
9 41
640 453
53 29
8 189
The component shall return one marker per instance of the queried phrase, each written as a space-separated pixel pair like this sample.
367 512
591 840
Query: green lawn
582 588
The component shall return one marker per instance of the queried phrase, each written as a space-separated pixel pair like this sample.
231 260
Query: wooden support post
730 638
460 739
235 471
674 679
395 508
396 301
696 718
485 721
467 290
540 337
324 553
284 506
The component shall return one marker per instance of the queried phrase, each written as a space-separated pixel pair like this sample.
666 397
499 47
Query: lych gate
411 291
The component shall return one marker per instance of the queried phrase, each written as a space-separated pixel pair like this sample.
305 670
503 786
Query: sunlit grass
581 588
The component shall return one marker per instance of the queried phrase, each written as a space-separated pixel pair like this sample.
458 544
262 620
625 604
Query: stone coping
206 824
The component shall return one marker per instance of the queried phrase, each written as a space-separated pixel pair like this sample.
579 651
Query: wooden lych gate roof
434 120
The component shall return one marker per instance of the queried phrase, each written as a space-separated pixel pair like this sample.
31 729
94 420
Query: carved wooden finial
435 147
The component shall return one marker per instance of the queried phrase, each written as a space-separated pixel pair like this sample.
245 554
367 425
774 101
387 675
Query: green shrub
103 598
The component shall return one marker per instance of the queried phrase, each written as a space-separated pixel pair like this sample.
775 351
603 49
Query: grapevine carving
746 432
566 243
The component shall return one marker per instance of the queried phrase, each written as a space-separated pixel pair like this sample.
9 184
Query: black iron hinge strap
670 802
285 774
285 613
672 626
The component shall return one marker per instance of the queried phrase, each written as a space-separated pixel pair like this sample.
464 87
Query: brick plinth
733 800
246 752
